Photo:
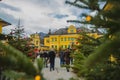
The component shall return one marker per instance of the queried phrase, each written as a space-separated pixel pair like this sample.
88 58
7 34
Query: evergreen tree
88 43
98 65
15 62
19 41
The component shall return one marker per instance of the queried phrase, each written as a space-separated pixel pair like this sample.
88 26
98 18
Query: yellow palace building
37 43
64 37
35 40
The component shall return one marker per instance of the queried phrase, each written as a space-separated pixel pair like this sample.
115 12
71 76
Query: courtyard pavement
59 73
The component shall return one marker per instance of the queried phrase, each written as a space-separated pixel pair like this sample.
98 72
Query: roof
62 31
4 22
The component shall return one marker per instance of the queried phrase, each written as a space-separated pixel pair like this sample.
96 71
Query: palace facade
65 37
35 40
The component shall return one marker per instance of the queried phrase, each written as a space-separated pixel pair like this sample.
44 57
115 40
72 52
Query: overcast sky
38 15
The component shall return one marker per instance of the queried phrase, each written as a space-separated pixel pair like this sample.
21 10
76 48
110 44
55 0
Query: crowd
49 57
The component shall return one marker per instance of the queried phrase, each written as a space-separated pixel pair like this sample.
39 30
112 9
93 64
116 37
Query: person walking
67 59
62 61
51 56
45 58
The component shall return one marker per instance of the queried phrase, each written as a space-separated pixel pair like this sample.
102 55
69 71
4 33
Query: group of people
66 58
49 57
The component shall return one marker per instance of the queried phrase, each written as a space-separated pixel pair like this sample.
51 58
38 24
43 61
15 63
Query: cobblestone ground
59 73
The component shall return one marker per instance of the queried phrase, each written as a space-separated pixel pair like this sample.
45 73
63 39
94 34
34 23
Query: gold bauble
88 18
37 77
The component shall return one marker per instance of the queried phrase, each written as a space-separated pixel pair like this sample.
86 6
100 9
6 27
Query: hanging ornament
37 77
88 18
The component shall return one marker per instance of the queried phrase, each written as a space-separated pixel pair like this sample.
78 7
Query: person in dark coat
45 57
62 61
52 59
67 59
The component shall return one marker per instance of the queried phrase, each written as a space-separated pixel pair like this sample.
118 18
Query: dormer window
71 31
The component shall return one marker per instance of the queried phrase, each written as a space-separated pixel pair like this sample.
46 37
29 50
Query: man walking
45 57
62 61
67 59
52 59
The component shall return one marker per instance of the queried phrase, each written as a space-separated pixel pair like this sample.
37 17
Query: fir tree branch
77 5
91 5
78 21
92 38
23 62
82 1
110 46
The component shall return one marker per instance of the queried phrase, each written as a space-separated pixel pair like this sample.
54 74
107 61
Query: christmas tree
14 64
103 63
20 41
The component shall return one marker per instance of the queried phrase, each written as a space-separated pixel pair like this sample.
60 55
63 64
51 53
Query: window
55 46
52 46
69 39
72 39
65 46
61 46
55 39
68 46
47 41
64 39
71 31
52 39
36 42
